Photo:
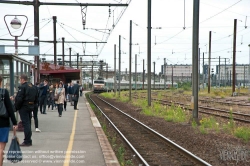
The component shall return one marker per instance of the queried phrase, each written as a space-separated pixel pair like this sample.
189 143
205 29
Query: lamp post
15 24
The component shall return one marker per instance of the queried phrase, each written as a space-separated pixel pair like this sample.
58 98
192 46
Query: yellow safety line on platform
71 141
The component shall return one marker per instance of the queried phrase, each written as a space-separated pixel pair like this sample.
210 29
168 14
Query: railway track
214 111
241 103
150 147
211 111
231 103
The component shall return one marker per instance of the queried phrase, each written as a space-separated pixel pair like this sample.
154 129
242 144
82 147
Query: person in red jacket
5 122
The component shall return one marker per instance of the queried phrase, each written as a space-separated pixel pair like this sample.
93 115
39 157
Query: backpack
31 94
3 110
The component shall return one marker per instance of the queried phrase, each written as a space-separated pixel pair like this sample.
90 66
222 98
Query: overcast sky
171 41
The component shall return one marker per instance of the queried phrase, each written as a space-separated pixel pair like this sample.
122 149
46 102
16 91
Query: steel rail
191 155
128 143
214 109
229 103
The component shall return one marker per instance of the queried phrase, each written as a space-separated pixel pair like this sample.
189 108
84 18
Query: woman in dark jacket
5 122
51 97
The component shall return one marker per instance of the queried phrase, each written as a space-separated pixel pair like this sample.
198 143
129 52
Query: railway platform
74 139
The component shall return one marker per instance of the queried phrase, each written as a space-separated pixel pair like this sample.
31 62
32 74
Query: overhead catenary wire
116 22
79 31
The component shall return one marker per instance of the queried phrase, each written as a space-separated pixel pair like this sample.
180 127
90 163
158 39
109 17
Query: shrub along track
211 146
152 146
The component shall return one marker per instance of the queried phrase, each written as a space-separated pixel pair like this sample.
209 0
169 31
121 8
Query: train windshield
99 82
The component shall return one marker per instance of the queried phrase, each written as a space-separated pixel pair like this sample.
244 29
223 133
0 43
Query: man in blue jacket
75 94
43 96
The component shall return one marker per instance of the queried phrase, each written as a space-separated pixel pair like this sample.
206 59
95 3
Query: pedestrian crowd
28 100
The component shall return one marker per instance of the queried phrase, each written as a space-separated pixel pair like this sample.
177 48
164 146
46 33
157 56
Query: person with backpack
25 101
4 121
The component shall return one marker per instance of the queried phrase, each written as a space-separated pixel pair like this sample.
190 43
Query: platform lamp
15 24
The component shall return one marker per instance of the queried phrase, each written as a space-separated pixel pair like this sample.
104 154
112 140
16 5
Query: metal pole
244 76
164 73
154 74
126 72
143 75
70 57
36 38
230 78
135 71
92 76
199 70
172 76
209 60
195 49
115 69
234 54
219 71
16 45
225 73
119 92
77 60
249 71
54 25
130 59
149 52
107 71
63 51
203 74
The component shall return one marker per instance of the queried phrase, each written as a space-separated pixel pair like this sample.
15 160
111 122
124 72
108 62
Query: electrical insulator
109 11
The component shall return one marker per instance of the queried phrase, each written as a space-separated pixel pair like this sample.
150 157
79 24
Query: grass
108 95
175 114
243 133
120 155
207 124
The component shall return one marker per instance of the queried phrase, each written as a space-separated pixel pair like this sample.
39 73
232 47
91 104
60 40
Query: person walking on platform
60 91
51 101
5 122
75 90
80 90
65 89
44 89
68 86
70 94
56 87
25 102
35 111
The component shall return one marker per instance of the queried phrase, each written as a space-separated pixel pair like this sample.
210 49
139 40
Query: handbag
74 98
14 153
56 97
3 110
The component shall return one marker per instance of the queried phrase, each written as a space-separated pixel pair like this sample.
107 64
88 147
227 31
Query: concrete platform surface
74 139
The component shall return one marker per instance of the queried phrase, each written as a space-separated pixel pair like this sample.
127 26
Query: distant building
224 74
180 72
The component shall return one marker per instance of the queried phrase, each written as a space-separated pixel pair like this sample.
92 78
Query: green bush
242 132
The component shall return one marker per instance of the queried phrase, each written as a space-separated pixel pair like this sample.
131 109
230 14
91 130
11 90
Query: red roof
47 68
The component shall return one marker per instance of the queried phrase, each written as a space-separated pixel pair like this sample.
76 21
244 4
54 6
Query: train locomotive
108 85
